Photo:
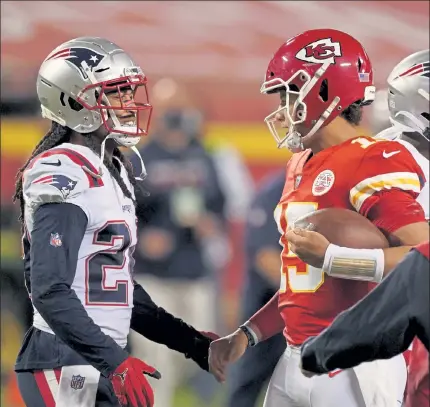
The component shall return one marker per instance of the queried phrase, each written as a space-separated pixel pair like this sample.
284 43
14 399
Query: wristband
354 264
251 336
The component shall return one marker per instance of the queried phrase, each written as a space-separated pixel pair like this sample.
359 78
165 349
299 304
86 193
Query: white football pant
289 388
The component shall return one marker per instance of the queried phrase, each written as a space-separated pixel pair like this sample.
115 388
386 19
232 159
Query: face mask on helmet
124 108
322 72
285 122
123 104
408 96
90 84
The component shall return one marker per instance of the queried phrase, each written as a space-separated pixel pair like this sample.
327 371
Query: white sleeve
54 180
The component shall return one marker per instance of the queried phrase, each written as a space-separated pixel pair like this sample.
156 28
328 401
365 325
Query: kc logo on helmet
320 52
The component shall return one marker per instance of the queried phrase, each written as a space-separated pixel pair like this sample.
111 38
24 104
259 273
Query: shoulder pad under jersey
391 133
57 175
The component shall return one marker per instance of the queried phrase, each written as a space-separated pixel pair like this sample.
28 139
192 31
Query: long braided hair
59 134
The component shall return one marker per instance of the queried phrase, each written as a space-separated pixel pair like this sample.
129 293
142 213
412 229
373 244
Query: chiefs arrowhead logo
320 52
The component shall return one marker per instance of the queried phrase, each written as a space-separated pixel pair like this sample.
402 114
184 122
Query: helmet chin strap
294 141
143 173
103 150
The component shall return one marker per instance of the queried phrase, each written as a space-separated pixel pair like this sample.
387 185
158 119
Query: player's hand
130 384
309 246
308 361
199 352
307 373
211 335
224 351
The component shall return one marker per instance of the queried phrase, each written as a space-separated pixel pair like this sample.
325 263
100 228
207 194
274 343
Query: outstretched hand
225 351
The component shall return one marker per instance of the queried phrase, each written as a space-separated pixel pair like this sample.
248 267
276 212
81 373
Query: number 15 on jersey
299 276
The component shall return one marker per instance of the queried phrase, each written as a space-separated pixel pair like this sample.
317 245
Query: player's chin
307 141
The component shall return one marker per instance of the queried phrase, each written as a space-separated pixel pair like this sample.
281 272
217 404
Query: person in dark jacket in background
380 326
181 241
262 279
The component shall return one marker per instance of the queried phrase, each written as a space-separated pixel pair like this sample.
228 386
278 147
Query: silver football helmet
78 81
408 93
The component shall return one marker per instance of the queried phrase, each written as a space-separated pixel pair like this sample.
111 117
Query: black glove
157 325
199 352
309 360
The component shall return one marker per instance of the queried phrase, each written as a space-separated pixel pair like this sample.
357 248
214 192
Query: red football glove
130 384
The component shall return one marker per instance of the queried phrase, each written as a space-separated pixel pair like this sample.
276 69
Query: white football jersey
395 133
103 279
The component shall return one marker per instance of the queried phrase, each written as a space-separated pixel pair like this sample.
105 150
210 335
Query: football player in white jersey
409 114
78 196
408 106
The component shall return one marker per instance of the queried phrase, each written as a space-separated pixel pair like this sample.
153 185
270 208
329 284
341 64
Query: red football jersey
361 174
418 389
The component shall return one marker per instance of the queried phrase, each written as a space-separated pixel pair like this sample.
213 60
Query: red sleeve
418 387
267 320
393 209
386 185
424 249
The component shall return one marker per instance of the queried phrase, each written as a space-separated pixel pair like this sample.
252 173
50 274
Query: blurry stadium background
204 55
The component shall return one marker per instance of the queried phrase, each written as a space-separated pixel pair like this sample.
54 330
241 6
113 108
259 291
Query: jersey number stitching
297 275
97 290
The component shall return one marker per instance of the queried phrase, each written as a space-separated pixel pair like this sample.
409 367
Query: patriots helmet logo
82 58
64 184
422 69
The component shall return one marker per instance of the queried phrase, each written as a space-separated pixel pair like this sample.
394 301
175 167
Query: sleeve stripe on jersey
78 159
407 181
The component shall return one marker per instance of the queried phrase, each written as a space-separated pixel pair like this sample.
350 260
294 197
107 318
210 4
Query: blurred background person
262 276
182 244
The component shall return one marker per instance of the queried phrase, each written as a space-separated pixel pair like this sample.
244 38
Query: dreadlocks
59 134
55 136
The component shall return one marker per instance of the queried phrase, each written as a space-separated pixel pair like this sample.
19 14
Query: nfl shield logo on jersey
77 382
323 183
56 240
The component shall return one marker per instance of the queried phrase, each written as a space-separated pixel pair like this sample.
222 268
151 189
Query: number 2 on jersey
300 277
97 290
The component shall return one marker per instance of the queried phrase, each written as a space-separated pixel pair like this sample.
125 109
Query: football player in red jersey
323 78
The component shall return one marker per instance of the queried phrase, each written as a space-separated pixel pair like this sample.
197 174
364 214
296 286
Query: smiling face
123 98
119 102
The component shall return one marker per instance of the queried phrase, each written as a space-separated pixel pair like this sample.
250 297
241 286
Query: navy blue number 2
98 290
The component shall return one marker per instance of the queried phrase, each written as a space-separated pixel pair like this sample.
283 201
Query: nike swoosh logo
388 155
57 164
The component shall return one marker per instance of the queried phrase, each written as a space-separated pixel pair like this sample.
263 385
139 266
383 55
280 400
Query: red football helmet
327 71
